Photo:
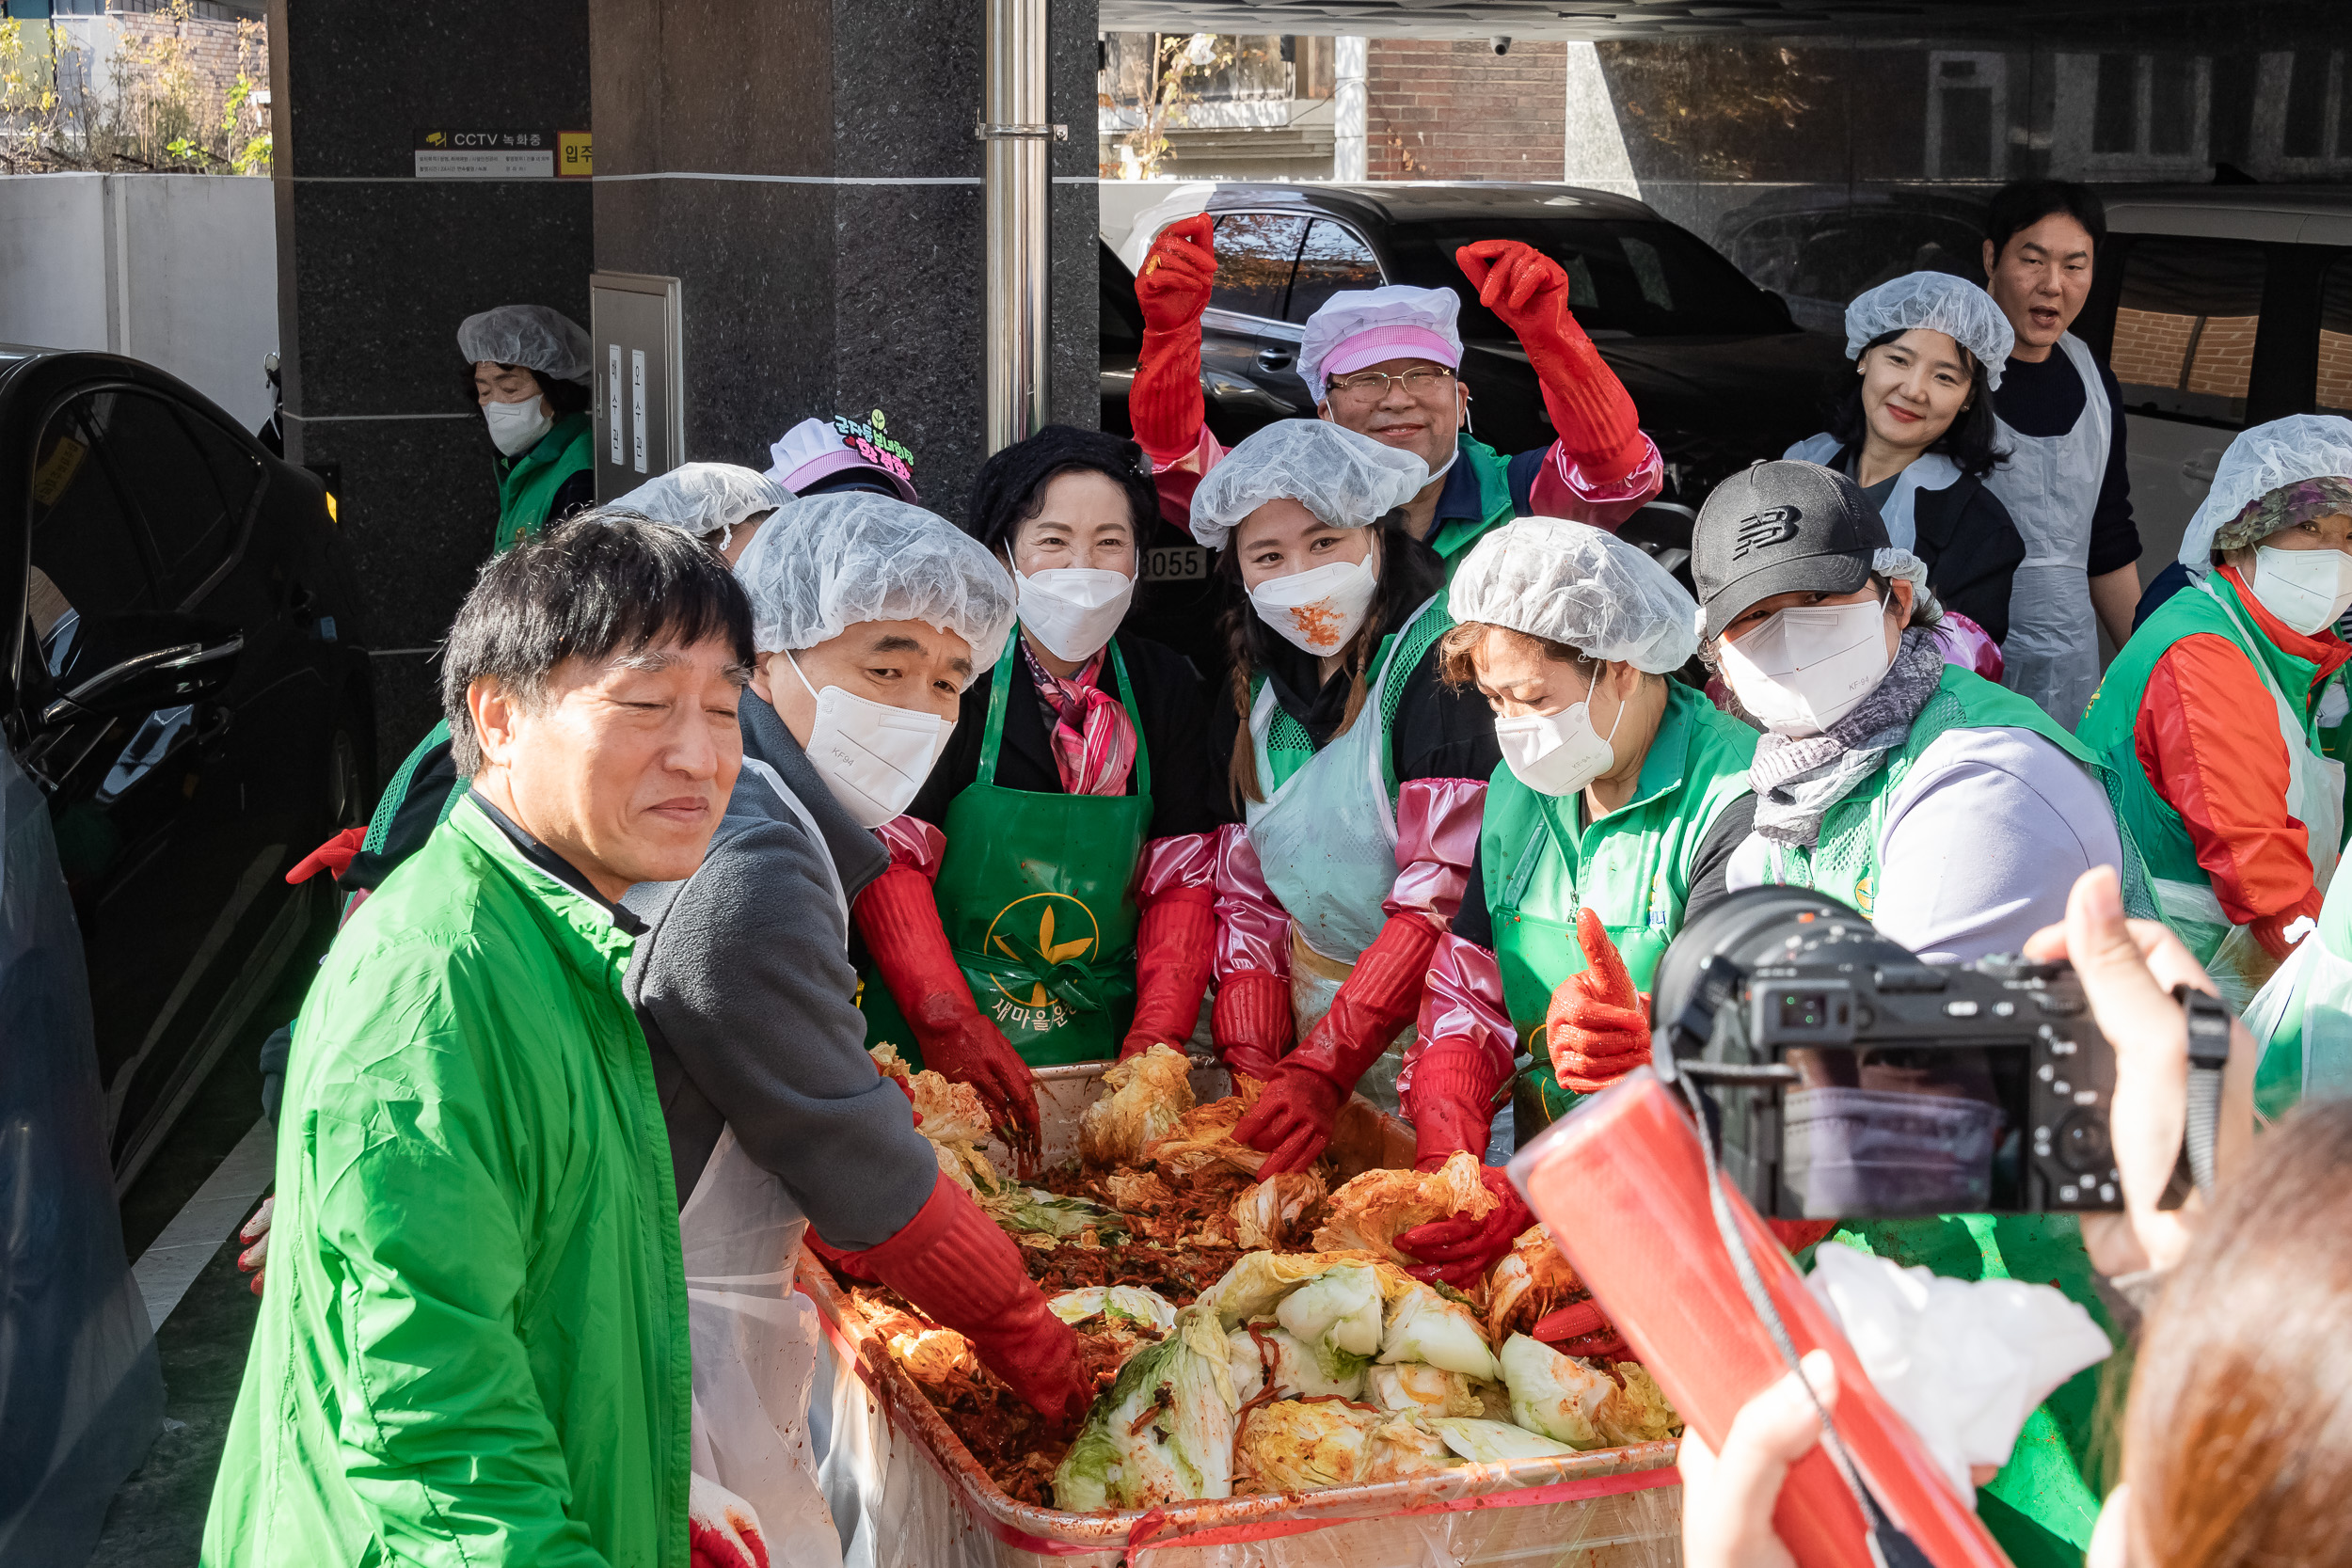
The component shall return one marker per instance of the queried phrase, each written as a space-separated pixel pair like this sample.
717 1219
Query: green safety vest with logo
1454 538
526 486
1543 861
2039 1508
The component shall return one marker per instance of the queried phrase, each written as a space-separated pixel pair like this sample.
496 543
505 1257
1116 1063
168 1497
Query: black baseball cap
1781 528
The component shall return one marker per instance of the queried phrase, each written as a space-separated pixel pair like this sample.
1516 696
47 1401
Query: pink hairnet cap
815 449
1357 327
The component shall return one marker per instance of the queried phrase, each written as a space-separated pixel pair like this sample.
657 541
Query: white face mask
515 427
874 757
1321 608
1072 610
1558 753
2305 588
1804 669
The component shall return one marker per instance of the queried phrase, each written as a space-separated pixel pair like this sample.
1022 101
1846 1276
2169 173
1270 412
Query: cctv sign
446 153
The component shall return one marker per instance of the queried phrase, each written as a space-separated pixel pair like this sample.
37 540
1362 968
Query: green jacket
527 485
473 1349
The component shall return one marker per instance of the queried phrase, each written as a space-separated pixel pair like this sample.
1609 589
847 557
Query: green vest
527 487
1543 861
1452 539
2184 890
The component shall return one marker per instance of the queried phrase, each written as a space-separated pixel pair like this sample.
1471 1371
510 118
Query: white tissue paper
1964 1361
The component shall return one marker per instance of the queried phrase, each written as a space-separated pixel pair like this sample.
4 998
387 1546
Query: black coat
1972 550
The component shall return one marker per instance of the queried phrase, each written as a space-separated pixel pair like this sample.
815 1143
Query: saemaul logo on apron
1042 933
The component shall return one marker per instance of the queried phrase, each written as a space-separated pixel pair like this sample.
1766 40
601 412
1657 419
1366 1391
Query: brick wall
207 47
2335 370
2151 350
1452 109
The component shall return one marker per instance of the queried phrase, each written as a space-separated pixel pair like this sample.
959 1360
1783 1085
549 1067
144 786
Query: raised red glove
721 1530
1581 1329
1589 407
959 1270
335 855
1459 1251
900 923
1451 1104
1172 953
1163 404
1292 1120
1252 1022
1597 1029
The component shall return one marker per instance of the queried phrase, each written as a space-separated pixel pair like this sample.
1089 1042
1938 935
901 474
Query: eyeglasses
1371 385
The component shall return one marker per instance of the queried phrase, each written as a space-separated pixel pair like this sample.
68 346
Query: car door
1247 346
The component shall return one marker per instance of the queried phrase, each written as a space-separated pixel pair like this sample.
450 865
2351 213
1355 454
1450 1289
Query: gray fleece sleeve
751 989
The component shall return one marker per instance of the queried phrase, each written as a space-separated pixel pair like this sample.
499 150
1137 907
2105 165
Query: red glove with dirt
1589 407
1292 1120
1165 404
1173 943
900 923
1252 1022
958 1269
721 1530
1597 1029
1459 1251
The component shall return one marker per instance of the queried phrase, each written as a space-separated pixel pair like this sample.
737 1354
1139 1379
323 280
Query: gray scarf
1798 778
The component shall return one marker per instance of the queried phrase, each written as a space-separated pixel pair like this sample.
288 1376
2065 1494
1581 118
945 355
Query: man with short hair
473 1349
2062 421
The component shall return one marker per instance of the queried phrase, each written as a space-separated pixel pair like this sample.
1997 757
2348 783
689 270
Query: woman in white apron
1359 774
2224 711
1914 427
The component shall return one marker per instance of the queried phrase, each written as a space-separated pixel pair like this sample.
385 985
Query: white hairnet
1347 480
855 557
1941 303
705 497
530 335
2284 451
1577 584
1357 327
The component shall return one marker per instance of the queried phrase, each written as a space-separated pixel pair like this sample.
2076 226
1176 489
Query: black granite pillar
377 267
807 169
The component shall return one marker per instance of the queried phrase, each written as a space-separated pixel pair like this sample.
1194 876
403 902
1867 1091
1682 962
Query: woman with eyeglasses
1386 363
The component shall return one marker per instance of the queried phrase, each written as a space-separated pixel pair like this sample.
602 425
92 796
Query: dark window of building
2116 111
2335 338
2171 106
2230 117
1332 258
1255 253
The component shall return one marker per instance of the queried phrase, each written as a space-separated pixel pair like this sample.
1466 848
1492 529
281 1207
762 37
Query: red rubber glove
254 1259
1588 405
1451 1104
335 855
900 923
1172 949
1597 1029
959 1270
1459 1251
1581 1329
1172 286
1292 1120
1252 1022
722 1530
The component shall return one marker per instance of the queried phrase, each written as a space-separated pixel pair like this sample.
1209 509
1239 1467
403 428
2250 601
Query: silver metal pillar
1348 110
1013 123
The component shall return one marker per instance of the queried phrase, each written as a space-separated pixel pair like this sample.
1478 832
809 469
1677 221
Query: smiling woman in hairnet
1358 770
2214 712
528 368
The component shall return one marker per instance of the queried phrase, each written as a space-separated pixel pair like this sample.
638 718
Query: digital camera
1845 1078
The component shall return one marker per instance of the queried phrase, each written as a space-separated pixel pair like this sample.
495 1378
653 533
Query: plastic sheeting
81 1395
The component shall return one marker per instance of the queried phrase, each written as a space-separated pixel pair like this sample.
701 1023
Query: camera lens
2082 1144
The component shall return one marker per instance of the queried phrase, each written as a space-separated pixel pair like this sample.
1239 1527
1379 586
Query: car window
172 466
1636 278
89 556
1255 253
1333 258
2335 337
2185 325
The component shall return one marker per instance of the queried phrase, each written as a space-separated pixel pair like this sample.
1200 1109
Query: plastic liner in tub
904 1490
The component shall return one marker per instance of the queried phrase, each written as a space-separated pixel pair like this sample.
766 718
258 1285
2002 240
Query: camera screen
1898 1131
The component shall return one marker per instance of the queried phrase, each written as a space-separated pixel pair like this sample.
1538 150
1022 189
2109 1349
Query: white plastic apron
1326 844
1928 471
756 1337
2050 484
2314 798
2312 987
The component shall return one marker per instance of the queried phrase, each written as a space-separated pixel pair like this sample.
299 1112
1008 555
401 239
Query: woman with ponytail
1357 771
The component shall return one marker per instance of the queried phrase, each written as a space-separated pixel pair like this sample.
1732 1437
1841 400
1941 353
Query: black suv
1720 371
180 675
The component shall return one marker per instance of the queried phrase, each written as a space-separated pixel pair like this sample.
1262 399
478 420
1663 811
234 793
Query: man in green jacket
473 1349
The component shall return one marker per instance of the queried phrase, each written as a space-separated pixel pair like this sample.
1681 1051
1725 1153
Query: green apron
1634 867
527 488
1036 894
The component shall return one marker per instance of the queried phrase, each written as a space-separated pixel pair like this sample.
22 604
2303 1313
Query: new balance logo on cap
1767 527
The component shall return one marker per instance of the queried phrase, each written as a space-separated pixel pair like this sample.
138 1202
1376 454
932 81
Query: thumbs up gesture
1597 1029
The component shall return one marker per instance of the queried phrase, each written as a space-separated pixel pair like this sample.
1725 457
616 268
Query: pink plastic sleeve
1561 491
914 842
1253 931
1964 642
1463 1001
1204 456
1437 838
1173 865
